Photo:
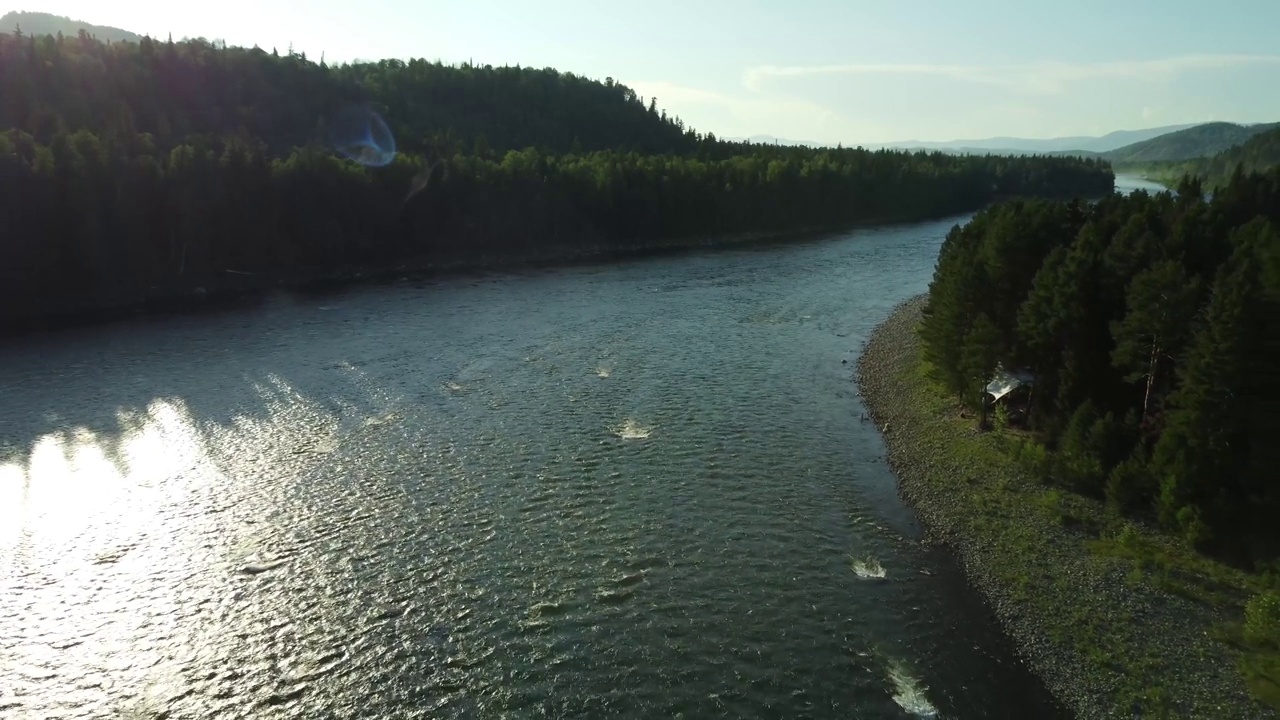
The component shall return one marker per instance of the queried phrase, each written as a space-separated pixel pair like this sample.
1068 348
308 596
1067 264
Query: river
621 490
1129 183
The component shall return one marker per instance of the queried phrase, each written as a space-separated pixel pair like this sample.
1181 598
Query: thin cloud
1039 78
681 93
749 109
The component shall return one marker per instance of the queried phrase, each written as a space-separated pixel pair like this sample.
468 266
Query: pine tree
951 307
1161 304
1197 460
978 359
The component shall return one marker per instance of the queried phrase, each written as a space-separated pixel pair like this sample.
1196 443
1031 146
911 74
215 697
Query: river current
640 490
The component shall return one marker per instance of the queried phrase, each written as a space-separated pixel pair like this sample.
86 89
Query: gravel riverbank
1110 637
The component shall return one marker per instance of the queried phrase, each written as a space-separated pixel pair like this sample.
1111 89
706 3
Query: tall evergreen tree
1195 461
1161 304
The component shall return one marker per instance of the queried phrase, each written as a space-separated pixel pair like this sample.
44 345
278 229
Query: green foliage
1129 484
1077 464
1261 633
1152 326
1089 449
139 171
1206 442
1033 457
1262 619
1150 337
981 349
1001 417
1051 503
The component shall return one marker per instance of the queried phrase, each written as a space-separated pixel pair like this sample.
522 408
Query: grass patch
1260 635
1043 544
1176 568
1261 670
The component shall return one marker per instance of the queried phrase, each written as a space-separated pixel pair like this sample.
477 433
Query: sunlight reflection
75 480
79 488
106 537
13 503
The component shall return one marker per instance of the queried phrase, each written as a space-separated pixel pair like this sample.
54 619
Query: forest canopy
131 171
1151 327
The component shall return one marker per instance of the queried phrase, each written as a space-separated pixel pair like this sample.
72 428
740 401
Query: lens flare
362 136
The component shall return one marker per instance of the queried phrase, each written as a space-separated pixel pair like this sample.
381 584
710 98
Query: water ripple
556 494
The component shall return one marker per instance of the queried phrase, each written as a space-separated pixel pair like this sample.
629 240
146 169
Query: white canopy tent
1005 382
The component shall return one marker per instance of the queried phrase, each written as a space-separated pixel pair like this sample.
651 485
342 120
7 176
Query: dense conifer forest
1151 324
134 171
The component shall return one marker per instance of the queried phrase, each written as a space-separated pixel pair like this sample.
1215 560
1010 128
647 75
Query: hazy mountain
1196 142
987 151
38 23
1010 145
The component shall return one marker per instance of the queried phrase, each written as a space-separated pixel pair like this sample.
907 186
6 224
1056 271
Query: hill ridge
42 23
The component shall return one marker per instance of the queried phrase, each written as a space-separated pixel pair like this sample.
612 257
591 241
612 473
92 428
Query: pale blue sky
825 70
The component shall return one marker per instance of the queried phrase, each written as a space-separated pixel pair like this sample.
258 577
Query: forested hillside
1258 154
38 23
173 91
1197 142
1152 326
138 171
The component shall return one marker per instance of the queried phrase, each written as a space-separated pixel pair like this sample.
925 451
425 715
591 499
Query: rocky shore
1110 637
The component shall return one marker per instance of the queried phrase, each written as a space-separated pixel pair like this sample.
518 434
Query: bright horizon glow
853 72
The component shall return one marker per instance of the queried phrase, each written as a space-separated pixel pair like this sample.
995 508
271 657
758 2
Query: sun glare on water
91 518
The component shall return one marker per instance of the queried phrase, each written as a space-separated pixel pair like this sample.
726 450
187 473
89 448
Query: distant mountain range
1076 145
1123 147
1004 145
38 23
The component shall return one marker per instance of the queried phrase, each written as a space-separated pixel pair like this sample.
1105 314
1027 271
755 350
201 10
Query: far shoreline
234 290
238 291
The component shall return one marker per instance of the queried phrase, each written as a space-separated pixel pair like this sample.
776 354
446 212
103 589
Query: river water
630 490
1129 183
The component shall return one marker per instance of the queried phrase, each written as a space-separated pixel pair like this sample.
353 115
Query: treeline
1259 153
1151 324
135 171
94 221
